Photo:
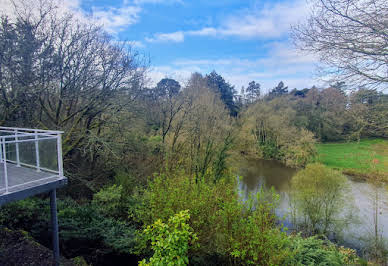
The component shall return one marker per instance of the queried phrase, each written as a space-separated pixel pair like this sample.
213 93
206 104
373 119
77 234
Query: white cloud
203 32
177 36
270 21
116 19
273 20
112 19
281 63
31 7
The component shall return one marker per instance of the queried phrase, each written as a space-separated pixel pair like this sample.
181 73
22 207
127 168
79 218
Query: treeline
285 125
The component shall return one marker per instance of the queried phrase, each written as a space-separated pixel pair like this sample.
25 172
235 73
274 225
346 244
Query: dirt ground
18 249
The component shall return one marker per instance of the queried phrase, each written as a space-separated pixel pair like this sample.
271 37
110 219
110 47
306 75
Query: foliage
83 229
313 251
194 140
63 73
255 238
167 195
226 91
321 197
242 231
279 90
268 126
111 201
251 93
170 242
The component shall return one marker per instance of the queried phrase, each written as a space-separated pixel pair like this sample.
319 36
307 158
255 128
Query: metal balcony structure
31 163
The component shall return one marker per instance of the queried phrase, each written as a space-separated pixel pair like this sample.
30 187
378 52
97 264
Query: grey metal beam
22 194
54 225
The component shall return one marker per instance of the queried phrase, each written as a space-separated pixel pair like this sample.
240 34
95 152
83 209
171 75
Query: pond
256 173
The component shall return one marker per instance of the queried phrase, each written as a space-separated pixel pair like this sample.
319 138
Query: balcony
30 162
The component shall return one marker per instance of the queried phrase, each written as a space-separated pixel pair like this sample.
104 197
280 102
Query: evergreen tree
252 92
279 90
226 91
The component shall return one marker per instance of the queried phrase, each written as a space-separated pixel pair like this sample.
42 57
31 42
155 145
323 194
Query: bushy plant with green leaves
320 195
112 201
242 232
257 240
314 251
170 241
168 195
84 229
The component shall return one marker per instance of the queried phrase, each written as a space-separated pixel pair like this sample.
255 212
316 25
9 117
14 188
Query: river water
256 173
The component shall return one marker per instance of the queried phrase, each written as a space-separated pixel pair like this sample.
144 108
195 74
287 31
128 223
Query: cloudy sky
243 40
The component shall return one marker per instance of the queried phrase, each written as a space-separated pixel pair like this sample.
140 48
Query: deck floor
19 176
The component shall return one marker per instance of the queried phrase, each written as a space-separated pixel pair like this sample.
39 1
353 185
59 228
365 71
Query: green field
365 156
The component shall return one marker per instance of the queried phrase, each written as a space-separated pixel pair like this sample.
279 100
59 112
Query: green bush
170 242
168 195
83 228
320 195
314 251
243 232
110 201
257 240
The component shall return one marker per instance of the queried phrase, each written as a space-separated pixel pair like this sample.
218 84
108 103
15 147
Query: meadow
365 156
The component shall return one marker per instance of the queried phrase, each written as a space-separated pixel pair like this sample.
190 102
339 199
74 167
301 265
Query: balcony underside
24 182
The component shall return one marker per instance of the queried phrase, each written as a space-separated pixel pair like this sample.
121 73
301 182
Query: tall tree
59 73
252 92
169 105
351 38
226 91
167 88
279 90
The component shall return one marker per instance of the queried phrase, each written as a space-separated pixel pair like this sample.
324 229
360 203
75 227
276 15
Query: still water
257 173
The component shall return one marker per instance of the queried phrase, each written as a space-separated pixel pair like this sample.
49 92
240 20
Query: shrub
225 226
83 228
314 251
166 196
109 201
320 195
170 242
256 238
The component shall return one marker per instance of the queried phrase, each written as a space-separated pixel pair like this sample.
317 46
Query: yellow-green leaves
170 241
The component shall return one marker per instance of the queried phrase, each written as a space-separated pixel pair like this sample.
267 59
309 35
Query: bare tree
351 38
59 72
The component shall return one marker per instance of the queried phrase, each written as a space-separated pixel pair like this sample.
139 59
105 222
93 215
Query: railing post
5 166
17 148
60 159
1 149
37 151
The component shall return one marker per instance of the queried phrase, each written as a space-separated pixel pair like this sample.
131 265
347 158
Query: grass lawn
365 156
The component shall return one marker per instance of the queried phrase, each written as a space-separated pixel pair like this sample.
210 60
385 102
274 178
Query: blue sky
242 40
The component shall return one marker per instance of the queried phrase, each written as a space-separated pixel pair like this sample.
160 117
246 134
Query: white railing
23 147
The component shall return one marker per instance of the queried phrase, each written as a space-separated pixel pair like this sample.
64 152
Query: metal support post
54 225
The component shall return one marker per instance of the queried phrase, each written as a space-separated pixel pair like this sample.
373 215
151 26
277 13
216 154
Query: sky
243 40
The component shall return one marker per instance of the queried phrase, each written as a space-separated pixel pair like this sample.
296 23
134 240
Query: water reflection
255 174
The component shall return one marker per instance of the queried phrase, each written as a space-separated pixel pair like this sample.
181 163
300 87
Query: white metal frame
20 135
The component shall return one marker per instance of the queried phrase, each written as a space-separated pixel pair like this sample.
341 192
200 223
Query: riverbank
367 158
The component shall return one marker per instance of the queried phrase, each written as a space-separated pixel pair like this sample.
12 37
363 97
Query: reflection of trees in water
375 245
368 234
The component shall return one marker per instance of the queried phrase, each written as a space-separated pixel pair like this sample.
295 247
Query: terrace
31 163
